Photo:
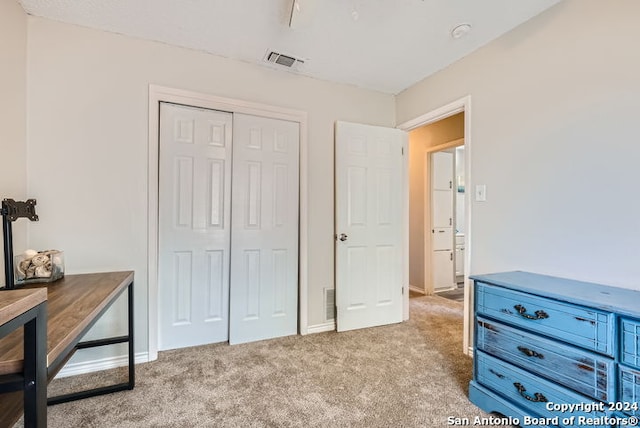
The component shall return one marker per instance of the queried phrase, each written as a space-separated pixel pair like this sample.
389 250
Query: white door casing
370 225
264 229
460 105
194 225
442 244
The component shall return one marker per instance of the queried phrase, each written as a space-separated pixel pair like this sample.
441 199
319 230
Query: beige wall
443 131
416 212
13 66
440 132
553 135
88 120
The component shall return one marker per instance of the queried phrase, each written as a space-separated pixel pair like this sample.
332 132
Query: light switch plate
481 192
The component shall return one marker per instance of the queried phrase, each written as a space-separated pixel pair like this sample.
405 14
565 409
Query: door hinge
402 151
451 256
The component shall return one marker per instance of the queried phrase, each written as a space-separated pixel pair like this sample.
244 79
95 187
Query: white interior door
194 225
442 243
264 248
369 225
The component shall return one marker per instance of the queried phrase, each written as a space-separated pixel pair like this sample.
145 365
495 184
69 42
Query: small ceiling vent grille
283 60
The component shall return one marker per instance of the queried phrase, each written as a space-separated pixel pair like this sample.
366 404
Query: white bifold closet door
264 229
194 226
226 274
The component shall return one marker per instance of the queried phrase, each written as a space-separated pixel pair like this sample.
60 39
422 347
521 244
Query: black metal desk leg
35 369
132 362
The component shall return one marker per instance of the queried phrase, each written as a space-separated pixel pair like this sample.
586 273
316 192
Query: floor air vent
330 304
283 60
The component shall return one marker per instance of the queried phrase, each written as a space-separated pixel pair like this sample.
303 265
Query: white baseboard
417 289
321 328
74 369
442 290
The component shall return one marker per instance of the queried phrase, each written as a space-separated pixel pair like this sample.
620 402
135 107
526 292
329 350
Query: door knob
343 237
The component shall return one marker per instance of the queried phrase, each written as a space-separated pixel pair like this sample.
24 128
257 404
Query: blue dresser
556 352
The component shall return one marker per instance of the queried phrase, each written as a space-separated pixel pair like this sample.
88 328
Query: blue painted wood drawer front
528 391
629 390
586 372
586 327
630 348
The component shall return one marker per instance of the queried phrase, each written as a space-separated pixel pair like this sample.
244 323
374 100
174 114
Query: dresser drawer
588 373
630 339
629 390
526 390
586 327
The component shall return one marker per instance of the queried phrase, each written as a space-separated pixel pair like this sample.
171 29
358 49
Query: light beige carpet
411 374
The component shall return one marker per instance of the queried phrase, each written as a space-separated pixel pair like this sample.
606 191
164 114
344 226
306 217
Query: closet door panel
264 229
194 225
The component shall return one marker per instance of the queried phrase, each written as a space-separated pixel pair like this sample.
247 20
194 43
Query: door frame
460 105
158 94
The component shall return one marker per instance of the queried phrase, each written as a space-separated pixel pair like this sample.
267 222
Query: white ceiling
386 45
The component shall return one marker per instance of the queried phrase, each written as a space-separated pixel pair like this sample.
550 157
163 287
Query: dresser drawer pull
539 315
537 397
530 353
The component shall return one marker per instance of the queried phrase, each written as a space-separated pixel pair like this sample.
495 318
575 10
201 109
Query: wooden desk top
16 302
74 302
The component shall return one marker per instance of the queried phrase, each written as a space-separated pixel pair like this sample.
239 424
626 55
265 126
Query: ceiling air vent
283 60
